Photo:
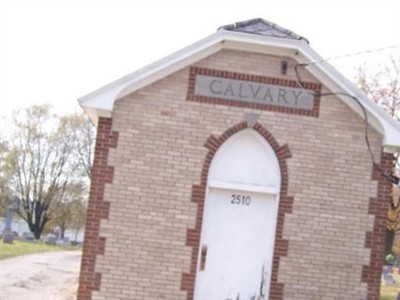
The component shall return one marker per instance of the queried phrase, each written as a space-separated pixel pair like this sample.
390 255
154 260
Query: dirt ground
46 276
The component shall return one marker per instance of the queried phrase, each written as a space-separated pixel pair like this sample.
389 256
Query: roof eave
103 99
100 102
336 82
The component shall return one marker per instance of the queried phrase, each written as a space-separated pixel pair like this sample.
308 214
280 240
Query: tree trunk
62 231
37 232
36 228
396 243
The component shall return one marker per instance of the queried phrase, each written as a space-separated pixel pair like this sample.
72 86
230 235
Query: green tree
69 208
78 216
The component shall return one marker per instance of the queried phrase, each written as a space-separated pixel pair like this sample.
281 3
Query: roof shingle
262 27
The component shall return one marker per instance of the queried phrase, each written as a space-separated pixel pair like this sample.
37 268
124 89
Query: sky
55 51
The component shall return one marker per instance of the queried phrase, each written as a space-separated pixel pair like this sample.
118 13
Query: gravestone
8 235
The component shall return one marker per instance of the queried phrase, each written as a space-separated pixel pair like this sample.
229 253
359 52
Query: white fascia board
105 97
206 47
336 82
168 66
94 114
100 102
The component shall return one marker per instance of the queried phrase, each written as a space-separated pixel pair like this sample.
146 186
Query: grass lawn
23 247
390 292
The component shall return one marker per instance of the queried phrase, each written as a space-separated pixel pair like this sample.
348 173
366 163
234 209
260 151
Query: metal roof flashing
100 102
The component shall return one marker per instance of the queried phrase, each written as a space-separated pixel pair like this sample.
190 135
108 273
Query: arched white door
239 221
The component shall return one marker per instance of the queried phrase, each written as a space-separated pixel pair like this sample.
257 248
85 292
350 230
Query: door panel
236 245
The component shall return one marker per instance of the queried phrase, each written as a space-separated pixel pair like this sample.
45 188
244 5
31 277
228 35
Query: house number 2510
240 199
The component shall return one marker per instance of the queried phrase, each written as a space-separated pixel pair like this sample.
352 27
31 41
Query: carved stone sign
282 95
248 91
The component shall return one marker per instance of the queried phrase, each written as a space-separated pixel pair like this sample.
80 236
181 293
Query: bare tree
83 135
46 162
40 154
69 208
5 191
383 86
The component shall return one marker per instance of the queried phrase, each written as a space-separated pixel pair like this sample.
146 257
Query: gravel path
46 276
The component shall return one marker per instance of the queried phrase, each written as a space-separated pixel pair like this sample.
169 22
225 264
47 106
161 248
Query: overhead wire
301 84
390 177
353 54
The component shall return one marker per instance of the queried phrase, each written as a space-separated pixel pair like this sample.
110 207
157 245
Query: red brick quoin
98 209
375 240
198 195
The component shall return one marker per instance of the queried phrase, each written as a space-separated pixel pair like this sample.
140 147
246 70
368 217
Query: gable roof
258 36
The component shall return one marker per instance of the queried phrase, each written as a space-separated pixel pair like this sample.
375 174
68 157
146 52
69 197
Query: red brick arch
198 196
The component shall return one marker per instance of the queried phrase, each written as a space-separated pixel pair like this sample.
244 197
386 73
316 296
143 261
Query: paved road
46 276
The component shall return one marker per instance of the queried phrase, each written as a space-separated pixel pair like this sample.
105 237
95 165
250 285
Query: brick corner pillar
375 239
98 209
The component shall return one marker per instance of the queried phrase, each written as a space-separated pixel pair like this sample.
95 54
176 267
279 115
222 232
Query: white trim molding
100 102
